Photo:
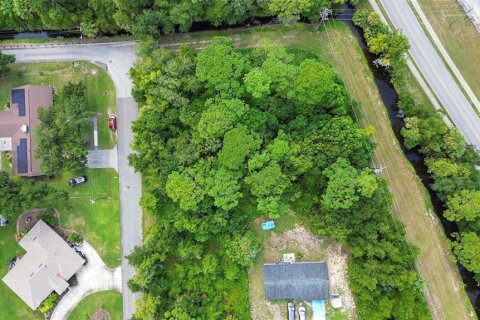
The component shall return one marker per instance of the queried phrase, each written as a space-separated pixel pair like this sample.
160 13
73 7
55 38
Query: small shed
303 281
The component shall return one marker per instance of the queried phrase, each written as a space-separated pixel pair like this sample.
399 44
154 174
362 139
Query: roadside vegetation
99 89
99 304
450 161
149 18
238 135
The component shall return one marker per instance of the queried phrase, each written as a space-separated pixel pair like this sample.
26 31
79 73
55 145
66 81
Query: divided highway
434 70
119 58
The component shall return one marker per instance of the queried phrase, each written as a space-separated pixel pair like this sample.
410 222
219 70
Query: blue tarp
319 312
268 225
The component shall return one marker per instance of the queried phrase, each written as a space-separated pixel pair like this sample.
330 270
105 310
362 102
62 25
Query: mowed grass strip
458 36
110 301
444 288
100 91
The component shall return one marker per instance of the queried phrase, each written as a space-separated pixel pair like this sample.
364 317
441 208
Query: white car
302 314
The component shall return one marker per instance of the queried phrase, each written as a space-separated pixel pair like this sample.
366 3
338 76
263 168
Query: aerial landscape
240 159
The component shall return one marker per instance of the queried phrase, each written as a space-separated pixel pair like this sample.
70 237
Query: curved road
119 57
434 70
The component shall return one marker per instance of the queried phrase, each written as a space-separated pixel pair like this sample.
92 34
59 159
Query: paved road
435 72
93 277
119 58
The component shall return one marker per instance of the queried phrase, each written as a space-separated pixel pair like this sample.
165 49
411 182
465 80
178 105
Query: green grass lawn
110 301
93 211
100 89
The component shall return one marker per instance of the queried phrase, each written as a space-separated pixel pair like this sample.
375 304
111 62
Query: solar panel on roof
18 97
22 163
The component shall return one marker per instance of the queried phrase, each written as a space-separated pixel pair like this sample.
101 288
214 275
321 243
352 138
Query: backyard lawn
100 89
110 301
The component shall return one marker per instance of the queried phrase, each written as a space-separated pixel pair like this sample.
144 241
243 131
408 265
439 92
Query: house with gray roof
303 281
18 124
46 267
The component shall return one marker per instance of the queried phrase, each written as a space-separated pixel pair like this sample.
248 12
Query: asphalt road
434 70
119 58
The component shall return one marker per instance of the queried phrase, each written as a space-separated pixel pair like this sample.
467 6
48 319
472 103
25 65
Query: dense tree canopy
148 18
19 195
61 133
225 136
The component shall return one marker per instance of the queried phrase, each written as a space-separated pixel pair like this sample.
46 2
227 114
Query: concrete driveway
93 277
118 58
103 159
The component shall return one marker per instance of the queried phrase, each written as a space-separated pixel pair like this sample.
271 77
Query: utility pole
450 24
325 14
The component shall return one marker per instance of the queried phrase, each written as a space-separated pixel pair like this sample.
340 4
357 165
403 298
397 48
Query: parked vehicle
302 314
291 311
77 181
112 122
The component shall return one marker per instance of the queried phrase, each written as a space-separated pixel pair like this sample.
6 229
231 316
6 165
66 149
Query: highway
119 58
434 70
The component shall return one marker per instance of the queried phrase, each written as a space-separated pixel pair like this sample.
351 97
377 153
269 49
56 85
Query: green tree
244 249
221 67
257 83
5 60
316 87
467 250
464 205
61 133
346 185
238 144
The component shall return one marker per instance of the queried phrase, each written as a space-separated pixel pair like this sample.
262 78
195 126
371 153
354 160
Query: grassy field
93 211
110 301
100 90
444 287
458 36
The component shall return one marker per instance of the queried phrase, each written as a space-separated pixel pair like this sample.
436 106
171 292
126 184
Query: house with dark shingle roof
18 124
302 281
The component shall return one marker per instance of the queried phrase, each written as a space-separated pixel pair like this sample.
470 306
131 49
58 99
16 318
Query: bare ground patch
307 247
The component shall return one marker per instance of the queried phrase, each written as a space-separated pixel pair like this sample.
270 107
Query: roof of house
47 266
301 281
18 124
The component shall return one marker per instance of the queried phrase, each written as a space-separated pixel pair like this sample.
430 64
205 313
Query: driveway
93 277
103 159
118 58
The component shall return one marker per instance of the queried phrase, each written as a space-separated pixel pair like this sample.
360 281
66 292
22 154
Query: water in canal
390 99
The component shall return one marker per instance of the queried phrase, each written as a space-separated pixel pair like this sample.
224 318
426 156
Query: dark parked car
291 311
77 181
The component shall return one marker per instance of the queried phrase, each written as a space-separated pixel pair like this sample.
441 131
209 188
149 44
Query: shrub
75 238
49 218
49 303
